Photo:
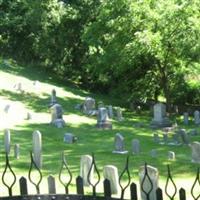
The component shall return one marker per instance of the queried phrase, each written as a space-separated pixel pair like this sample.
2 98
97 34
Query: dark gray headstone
135 146
185 118
156 138
69 138
57 116
102 119
197 117
119 144
184 136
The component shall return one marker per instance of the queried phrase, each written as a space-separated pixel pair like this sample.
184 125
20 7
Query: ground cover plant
90 140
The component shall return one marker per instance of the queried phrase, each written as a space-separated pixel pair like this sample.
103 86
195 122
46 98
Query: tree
144 44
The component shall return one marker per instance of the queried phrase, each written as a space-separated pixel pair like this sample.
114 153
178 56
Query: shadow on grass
101 142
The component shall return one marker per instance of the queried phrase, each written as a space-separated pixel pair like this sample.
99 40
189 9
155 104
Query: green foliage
141 49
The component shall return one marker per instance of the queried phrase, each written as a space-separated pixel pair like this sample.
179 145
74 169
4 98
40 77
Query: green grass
90 139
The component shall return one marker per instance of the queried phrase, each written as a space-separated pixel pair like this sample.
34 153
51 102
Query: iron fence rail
80 195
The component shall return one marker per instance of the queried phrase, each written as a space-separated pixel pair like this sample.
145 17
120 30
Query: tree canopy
136 49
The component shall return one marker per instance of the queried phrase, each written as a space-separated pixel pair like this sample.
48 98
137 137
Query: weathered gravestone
195 146
160 119
135 146
110 111
119 114
53 99
110 172
185 118
18 87
37 148
145 184
184 136
102 119
57 116
69 138
89 106
171 155
7 108
196 117
7 143
100 104
86 162
16 151
119 144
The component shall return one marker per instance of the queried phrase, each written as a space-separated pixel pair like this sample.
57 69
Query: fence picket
182 194
51 185
133 188
79 185
107 188
159 195
23 186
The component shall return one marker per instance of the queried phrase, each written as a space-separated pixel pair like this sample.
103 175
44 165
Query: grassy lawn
35 99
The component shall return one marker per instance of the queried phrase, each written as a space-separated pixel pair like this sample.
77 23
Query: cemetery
53 120
99 100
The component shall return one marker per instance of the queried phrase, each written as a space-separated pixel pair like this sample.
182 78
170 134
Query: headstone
16 151
53 99
145 184
7 142
69 138
28 116
37 148
153 153
156 138
160 119
110 111
135 146
110 172
119 114
89 106
196 117
119 144
102 119
7 108
195 146
56 116
86 162
186 118
171 155
18 87
184 136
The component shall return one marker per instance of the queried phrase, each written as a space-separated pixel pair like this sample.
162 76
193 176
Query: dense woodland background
135 49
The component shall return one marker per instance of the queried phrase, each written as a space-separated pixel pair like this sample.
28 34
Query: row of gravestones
179 137
160 118
196 118
36 142
119 147
110 172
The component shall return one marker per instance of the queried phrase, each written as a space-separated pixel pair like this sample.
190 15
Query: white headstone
110 172
195 146
160 119
37 148
154 176
7 141
86 161
16 151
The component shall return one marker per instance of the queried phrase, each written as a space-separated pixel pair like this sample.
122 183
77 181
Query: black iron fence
171 194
